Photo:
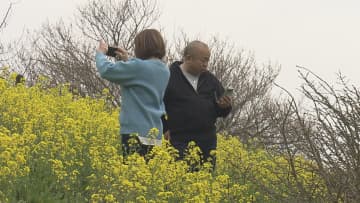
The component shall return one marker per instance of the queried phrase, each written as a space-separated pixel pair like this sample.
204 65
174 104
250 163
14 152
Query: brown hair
149 43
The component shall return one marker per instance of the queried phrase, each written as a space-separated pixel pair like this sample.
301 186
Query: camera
111 51
228 92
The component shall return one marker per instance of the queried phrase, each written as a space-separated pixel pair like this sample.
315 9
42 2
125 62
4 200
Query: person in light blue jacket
142 81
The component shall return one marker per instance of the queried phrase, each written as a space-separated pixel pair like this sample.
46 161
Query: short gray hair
191 46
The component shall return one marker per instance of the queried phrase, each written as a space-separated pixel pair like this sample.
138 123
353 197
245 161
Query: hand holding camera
118 53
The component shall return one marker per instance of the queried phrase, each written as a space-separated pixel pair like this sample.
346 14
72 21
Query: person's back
143 81
142 98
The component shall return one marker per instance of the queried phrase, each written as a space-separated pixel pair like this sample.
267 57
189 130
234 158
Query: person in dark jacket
193 101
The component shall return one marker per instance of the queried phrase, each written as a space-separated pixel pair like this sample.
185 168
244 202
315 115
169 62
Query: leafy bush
55 146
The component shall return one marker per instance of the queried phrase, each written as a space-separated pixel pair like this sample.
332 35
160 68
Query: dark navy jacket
192 114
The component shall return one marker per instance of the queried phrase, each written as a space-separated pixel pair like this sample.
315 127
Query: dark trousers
131 144
206 146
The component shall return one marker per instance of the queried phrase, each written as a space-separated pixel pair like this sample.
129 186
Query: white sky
322 35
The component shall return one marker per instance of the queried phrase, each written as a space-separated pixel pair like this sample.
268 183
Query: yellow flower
12 165
153 133
96 198
5 155
110 198
20 159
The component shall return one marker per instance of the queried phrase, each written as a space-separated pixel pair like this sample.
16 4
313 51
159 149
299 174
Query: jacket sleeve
221 112
164 123
120 72
164 116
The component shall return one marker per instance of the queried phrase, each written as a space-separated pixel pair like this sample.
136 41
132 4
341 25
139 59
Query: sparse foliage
324 129
3 23
65 52
334 141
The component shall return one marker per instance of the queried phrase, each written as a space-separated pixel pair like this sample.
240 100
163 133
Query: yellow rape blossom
66 148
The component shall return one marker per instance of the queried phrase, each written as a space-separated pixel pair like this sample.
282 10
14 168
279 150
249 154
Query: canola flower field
57 147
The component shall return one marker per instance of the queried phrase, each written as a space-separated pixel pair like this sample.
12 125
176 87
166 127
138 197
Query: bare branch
3 22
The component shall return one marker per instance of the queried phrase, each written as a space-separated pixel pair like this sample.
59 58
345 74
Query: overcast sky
322 35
